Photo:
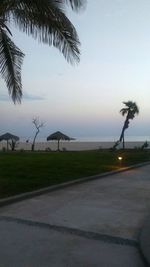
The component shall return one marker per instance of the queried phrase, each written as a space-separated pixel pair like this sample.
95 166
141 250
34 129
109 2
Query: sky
84 100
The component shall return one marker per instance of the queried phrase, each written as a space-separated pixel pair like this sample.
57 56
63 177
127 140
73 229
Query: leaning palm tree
130 111
44 20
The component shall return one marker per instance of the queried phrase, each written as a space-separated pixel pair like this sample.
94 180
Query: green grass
26 171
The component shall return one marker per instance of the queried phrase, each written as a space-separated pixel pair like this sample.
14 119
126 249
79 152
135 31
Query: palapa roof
9 136
58 136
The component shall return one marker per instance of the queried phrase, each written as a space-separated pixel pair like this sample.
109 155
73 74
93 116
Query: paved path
95 224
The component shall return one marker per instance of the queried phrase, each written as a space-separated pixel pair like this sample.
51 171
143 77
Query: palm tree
130 111
44 20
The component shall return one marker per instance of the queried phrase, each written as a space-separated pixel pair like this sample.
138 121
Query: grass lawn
26 171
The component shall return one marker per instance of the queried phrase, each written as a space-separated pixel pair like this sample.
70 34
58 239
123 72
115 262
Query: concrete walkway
95 224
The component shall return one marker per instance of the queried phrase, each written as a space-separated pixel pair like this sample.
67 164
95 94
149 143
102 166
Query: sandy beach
71 146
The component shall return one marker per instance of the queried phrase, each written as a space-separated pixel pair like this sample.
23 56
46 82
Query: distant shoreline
73 145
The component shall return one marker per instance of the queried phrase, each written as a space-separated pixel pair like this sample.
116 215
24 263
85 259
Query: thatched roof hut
58 136
9 136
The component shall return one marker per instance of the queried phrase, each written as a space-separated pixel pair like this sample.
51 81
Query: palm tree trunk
125 126
122 133
122 137
123 141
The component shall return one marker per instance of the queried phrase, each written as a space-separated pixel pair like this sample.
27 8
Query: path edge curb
144 240
27 195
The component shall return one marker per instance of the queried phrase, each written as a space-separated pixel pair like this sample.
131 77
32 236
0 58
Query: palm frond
4 26
10 65
124 111
76 4
131 109
131 105
4 5
45 20
136 108
128 103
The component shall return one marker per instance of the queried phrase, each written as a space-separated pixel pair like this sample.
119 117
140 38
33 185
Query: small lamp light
120 160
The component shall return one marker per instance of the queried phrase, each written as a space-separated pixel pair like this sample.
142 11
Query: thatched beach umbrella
58 136
9 136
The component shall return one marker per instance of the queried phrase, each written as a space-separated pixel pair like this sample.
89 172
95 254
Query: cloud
25 96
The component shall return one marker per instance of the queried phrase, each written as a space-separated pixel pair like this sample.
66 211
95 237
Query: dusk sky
84 100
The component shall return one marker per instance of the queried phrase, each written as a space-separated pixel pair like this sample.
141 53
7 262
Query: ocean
93 139
88 143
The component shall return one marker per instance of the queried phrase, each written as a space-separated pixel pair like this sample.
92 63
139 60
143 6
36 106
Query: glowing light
120 158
